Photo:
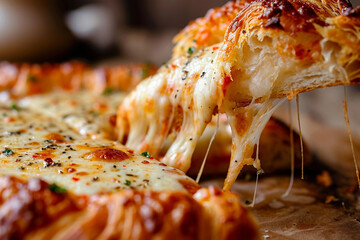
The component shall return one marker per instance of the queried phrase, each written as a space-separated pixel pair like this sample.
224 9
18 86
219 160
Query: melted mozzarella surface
33 145
89 114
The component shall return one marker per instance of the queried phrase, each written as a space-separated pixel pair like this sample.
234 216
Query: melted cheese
34 145
346 116
256 61
300 135
292 155
89 114
175 104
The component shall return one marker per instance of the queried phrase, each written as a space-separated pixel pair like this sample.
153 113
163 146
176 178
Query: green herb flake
145 71
127 182
107 91
146 154
15 107
8 152
57 189
191 50
31 78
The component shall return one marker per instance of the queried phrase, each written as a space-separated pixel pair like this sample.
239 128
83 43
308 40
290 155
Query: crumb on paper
324 179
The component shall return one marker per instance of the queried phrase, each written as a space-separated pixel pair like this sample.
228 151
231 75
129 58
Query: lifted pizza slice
271 49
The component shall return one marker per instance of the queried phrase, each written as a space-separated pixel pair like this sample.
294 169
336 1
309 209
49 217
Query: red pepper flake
124 165
75 179
145 162
35 156
162 164
151 157
130 151
70 170
215 48
173 66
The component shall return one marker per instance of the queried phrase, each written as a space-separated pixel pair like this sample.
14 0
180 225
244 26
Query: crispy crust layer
33 210
208 30
27 79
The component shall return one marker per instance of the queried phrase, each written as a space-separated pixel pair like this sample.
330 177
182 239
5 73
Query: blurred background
95 30
123 31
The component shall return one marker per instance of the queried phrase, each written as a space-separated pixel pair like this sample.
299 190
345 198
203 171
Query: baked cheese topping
33 145
89 114
175 104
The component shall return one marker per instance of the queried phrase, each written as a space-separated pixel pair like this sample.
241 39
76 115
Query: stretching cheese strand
257 174
346 115
301 140
207 150
292 154
245 137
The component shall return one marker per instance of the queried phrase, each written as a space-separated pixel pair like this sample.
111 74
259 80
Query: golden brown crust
27 79
298 29
29 205
34 210
208 30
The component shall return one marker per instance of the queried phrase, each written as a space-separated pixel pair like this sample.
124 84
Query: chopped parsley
107 91
15 107
31 78
57 189
127 182
8 152
146 154
191 50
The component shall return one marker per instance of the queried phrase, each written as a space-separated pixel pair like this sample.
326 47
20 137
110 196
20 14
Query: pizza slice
21 80
58 184
270 50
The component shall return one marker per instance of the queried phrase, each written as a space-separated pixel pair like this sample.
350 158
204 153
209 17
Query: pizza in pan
61 164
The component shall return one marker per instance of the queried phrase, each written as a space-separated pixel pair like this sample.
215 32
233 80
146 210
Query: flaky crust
208 30
27 79
32 210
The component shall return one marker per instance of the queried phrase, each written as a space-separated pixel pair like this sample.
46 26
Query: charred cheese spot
190 186
108 154
55 137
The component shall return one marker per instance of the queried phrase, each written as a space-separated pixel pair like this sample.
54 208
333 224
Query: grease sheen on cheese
45 148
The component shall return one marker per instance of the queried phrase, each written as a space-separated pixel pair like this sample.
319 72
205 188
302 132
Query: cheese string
292 154
301 140
346 115
208 149
257 174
